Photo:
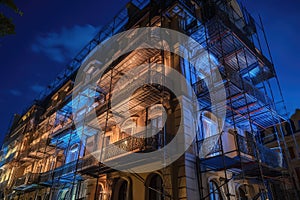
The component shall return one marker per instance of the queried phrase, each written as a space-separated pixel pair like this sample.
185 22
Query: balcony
46 178
233 150
41 148
26 182
243 99
61 127
229 36
135 143
270 157
90 165
65 173
239 153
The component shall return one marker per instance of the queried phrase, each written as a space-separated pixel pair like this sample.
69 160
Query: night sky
50 33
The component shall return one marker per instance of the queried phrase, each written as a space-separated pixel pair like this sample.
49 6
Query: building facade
47 155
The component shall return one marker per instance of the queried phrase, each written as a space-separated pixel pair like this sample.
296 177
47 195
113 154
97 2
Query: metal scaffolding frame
230 38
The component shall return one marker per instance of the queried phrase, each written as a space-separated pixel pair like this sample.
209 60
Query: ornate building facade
47 156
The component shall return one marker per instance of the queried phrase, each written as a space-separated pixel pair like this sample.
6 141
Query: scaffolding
234 42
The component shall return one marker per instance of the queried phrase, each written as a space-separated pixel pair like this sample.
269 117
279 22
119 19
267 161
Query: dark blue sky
50 33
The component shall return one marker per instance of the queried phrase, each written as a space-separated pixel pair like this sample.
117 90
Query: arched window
100 192
128 127
242 195
155 188
122 194
214 191
157 116
209 124
73 153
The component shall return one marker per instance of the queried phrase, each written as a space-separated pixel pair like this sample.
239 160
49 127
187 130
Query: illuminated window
209 125
156 113
128 127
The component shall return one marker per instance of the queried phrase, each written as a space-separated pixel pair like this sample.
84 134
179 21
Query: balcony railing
39 145
246 145
65 169
134 143
270 157
234 143
46 177
210 146
27 179
88 161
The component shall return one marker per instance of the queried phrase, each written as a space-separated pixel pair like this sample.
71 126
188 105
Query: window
242 195
123 191
73 153
128 127
157 116
100 192
209 125
155 189
214 191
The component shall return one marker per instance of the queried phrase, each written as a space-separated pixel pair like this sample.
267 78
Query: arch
157 117
122 189
242 194
244 191
73 153
154 187
128 127
215 193
100 191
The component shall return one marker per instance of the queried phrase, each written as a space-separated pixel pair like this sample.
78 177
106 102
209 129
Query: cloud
37 88
14 92
63 45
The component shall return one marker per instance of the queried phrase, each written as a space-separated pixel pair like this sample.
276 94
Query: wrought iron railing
209 146
87 161
65 169
39 145
245 145
270 157
137 142
46 177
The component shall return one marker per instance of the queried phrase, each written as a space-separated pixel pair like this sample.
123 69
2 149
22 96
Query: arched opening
155 190
157 117
242 194
128 127
122 194
100 192
214 191
73 153
122 189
